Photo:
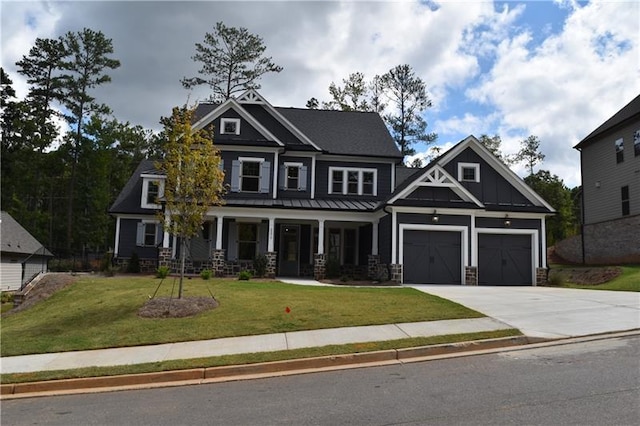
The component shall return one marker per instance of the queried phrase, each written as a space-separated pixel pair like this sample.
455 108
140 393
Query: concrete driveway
548 312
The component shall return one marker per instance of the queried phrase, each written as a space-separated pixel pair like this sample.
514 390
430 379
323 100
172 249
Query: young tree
376 94
529 153
85 68
232 61
194 180
408 96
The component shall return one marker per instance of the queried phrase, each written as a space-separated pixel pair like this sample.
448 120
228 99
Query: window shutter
232 248
221 164
302 180
264 177
235 176
158 234
282 177
139 234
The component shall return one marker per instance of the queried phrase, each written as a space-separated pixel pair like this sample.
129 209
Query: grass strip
253 358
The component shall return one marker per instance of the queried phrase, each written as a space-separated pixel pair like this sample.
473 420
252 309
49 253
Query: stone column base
542 276
164 257
372 268
270 271
319 266
218 262
396 273
471 275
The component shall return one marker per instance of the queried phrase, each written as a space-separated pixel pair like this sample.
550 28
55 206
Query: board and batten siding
603 177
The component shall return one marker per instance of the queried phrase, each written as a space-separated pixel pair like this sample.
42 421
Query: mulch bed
165 307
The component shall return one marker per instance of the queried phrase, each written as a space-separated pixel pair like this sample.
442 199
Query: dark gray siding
492 189
247 132
364 244
384 239
127 243
322 178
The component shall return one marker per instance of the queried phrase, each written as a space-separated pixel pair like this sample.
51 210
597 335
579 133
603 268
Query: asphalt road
592 383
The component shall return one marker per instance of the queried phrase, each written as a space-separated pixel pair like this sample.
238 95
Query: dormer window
468 172
230 126
152 190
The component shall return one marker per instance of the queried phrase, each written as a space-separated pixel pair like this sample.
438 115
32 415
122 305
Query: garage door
504 259
432 257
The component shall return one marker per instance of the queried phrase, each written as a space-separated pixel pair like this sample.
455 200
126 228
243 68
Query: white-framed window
230 126
636 143
152 190
340 244
147 234
468 172
250 174
353 181
247 241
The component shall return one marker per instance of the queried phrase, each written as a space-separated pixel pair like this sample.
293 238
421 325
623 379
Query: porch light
435 218
507 222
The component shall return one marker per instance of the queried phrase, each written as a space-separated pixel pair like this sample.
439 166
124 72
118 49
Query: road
585 383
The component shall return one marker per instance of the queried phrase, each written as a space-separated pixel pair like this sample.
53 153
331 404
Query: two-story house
610 167
315 189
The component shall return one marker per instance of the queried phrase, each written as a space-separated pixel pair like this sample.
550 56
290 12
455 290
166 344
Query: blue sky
554 69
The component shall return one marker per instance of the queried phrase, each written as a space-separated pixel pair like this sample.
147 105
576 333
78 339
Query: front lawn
628 280
97 312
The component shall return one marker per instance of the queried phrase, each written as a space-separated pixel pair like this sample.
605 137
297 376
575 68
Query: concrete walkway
549 312
245 344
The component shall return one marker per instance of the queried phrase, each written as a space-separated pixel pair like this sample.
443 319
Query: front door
289 250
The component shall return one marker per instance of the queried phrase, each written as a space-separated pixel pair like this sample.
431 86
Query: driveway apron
548 312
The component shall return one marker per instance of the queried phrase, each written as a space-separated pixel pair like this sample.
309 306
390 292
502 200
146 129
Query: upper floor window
152 190
636 143
469 172
624 192
230 126
352 181
293 177
250 174
619 150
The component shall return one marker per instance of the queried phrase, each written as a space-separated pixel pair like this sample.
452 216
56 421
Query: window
624 192
352 181
636 143
152 189
250 176
230 126
334 244
147 235
293 177
247 241
619 150
469 172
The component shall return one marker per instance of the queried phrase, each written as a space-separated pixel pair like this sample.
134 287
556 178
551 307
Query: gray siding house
313 190
610 164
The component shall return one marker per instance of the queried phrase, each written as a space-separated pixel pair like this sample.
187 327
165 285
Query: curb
282 368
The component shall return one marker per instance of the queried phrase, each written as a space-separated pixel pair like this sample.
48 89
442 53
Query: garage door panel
504 259
432 257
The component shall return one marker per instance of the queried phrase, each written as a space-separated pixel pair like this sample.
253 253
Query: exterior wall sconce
507 222
435 218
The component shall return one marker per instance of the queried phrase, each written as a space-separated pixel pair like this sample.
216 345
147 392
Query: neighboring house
21 255
610 164
317 191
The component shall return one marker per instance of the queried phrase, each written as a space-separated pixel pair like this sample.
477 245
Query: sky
553 69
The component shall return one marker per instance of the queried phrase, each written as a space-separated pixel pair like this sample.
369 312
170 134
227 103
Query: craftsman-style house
317 190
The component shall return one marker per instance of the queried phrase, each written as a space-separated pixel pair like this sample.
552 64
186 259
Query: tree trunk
183 249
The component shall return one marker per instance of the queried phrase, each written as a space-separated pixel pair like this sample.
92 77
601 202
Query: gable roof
628 112
436 175
16 239
128 200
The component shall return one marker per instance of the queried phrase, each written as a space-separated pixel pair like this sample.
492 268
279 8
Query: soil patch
588 276
45 288
165 307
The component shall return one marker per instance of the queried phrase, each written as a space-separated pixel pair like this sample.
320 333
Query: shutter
264 177
235 176
302 179
232 248
140 234
282 177
158 234
263 238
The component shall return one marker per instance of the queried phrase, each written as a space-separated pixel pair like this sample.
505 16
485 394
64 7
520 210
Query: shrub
260 265
133 266
205 274
244 275
556 278
6 297
162 272
332 268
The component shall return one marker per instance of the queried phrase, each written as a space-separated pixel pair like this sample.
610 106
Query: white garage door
10 276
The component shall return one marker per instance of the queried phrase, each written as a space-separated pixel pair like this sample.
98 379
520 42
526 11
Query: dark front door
432 257
289 250
504 259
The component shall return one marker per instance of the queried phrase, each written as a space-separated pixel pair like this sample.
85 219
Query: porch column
219 224
117 241
374 238
270 240
321 236
165 230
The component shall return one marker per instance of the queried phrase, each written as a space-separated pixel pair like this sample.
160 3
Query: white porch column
165 230
474 242
175 246
321 236
394 237
374 237
117 241
271 239
543 230
219 224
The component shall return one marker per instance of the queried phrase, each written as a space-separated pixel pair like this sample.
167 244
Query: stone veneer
218 262
542 275
319 266
270 271
396 273
471 275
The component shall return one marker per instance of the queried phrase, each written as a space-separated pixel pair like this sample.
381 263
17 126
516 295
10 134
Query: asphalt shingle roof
128 200
628 111
15 239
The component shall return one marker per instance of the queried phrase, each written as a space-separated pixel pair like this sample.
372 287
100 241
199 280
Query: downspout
582 218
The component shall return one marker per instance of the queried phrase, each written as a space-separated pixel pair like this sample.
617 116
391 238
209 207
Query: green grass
629 280
252 358
99 312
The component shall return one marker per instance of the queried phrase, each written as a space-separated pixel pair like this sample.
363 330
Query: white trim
282 214
145 192
313 177
224 121
117 239
165 229
321 231
270 238
474 241
394 237
535 247
288 165
464 242
476 172
468 212
345 174
275 176
252 159
543 232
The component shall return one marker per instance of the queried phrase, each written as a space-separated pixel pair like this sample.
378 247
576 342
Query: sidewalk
245 344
